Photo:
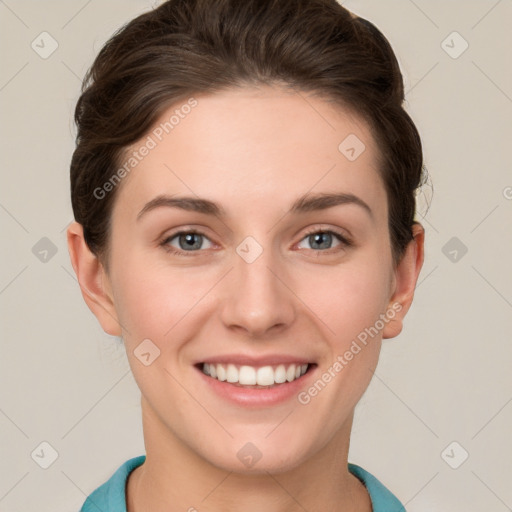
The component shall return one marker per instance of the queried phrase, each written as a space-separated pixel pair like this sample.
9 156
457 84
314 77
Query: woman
243 189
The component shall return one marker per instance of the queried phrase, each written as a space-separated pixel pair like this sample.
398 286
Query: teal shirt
111 497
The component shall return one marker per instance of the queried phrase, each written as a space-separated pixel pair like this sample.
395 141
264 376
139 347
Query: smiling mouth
255 377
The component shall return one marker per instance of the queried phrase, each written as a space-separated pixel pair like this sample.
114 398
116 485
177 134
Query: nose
258 297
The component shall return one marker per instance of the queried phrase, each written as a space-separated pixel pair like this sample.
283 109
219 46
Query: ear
93 280
404 282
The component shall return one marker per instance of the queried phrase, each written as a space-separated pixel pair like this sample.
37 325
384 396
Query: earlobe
93 280
405 279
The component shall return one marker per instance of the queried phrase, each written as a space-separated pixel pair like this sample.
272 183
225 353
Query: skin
254 151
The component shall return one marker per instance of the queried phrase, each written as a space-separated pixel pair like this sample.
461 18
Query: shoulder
383 500
111 496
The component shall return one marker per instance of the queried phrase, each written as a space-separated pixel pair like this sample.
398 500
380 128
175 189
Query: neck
174 478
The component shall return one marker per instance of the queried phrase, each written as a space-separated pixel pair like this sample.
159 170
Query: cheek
348 299
157 304
152 299
349 302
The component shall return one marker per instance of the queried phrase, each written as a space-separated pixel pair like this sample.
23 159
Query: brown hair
187 47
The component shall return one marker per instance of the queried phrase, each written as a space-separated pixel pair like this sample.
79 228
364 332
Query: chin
257 458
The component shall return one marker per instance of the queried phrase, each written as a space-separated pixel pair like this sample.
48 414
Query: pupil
189 240
319 236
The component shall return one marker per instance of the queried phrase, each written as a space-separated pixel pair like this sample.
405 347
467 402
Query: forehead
250 146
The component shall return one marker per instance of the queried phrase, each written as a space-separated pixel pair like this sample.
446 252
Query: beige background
446 378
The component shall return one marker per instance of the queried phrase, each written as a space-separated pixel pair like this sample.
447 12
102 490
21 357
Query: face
255 286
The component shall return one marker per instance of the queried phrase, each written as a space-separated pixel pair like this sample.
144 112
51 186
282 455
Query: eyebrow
304 204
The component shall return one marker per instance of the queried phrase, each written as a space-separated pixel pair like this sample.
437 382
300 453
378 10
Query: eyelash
345 241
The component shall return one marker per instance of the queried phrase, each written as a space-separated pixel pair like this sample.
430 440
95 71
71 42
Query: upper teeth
249 375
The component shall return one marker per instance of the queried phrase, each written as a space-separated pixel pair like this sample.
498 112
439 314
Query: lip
257 397
247 360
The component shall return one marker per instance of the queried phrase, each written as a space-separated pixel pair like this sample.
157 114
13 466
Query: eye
189 241
322 239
